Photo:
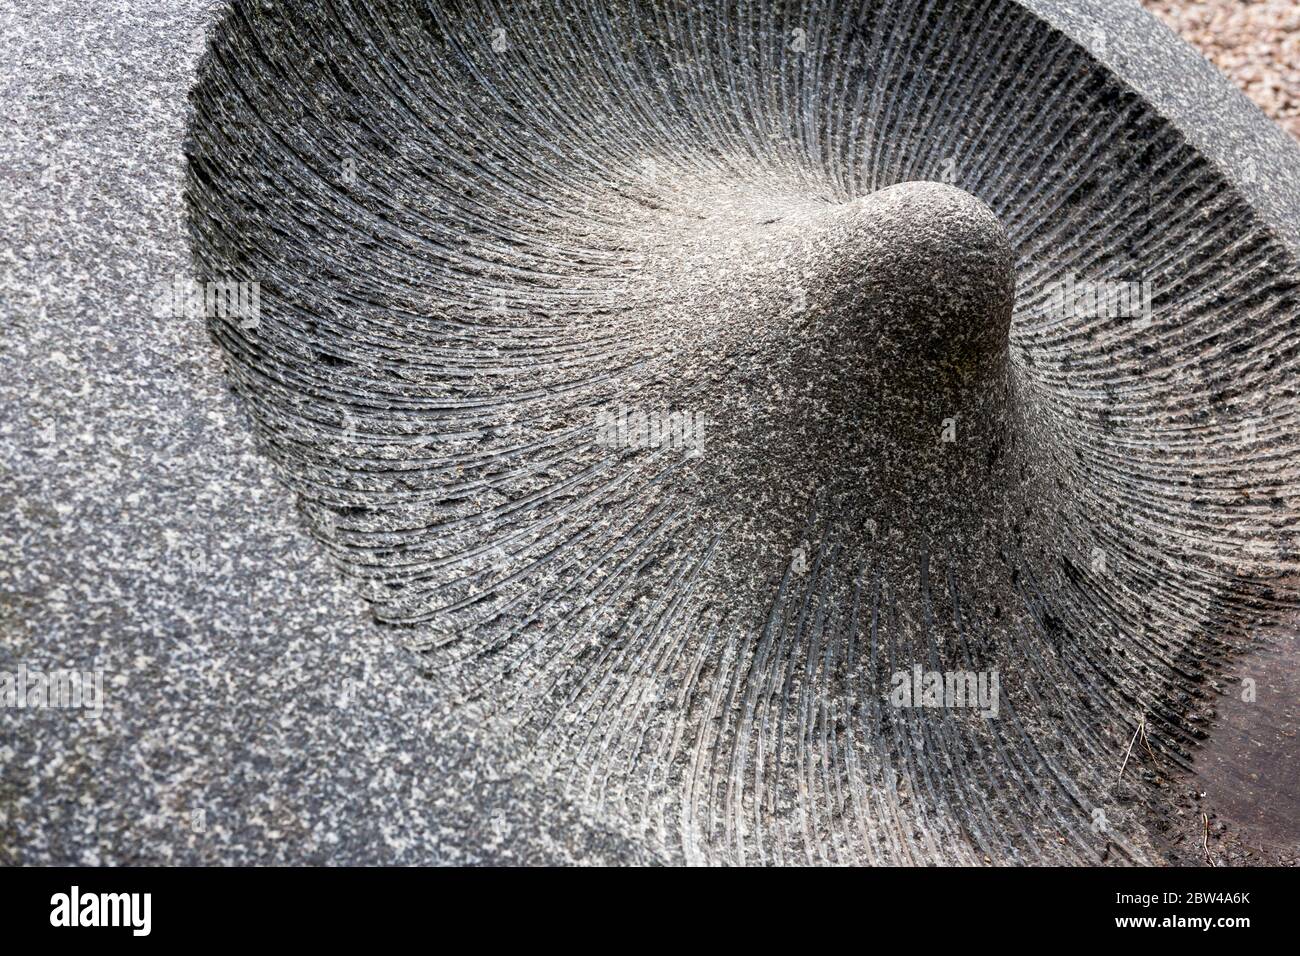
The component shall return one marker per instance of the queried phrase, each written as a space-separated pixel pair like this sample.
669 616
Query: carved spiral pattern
577 343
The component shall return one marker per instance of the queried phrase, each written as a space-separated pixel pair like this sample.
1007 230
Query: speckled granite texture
577 680
253 713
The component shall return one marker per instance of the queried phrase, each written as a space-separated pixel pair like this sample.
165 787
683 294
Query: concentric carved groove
489 236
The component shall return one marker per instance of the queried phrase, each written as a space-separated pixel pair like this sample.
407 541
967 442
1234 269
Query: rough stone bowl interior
611 355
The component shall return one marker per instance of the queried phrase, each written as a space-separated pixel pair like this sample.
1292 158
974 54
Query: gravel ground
1255 42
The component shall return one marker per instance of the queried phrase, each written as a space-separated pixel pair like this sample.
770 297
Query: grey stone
634 394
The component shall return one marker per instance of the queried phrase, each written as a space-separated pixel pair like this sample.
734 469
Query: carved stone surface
685 384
